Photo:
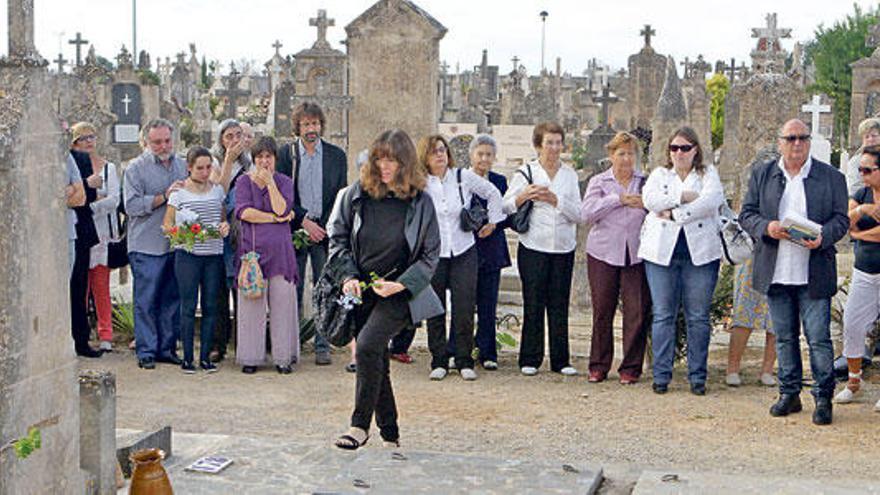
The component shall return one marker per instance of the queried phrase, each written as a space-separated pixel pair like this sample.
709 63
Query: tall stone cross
647 32
21 29
79 42
816 109
322 23
61 61
605 100
232 91
769 36
731 69
444 67
277 46
687 67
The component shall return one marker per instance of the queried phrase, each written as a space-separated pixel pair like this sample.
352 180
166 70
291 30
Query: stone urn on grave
149 477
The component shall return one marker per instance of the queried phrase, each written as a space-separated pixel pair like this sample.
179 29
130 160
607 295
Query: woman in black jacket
383 230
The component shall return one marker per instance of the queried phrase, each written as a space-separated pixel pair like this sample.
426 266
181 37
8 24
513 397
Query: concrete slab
271 465
130 441
685 483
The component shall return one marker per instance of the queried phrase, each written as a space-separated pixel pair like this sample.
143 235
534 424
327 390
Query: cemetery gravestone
126 105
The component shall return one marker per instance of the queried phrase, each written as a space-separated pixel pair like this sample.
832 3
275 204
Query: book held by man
801 229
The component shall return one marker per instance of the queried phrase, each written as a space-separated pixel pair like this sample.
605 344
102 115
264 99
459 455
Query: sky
575 30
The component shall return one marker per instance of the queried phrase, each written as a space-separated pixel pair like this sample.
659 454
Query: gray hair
155 124
361 159
869 125
219 151
481 139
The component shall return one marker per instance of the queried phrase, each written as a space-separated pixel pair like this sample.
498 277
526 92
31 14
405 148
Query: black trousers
458 274
79 286
546 288
224 325
379 319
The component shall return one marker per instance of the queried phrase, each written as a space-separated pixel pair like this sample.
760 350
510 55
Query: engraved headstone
126 105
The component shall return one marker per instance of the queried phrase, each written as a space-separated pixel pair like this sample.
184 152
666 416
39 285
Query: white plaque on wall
126 133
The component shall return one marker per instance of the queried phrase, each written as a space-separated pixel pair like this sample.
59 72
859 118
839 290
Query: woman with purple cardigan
263 202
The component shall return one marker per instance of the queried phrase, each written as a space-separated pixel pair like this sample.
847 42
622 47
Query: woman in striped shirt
200 202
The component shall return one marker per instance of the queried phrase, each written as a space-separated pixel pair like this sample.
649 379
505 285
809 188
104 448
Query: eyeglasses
867 170
684 148
440 150
796 137
90 137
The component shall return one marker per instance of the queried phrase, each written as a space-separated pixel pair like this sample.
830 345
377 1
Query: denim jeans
195 273
156 305
318 254
791 305
681 284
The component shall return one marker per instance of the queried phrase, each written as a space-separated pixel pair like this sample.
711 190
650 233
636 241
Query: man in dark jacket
799 275
319 170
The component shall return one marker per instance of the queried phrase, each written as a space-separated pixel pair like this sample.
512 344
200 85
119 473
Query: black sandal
348 442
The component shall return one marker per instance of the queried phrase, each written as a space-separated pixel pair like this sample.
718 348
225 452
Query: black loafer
147 363
787 404
88 352
172 359
698 388
248 370
823 413
284 370
660 388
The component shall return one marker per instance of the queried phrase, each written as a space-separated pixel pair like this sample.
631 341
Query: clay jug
148 476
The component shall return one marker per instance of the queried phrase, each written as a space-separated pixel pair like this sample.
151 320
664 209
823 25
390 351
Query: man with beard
319 171
149 180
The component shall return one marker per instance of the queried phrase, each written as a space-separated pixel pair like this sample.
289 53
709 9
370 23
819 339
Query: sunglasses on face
796 137
867 170
684 148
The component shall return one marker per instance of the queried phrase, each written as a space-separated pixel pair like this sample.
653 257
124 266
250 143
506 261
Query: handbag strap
460 195
529 176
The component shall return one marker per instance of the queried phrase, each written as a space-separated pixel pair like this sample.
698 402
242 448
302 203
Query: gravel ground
623 429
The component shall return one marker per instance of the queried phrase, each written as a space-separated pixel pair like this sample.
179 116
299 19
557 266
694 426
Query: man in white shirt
799 276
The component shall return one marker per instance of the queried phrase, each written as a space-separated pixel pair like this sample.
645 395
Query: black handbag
519 220
474 217
117 251
334 318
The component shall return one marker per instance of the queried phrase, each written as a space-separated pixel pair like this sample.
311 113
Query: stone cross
61 61
322 23
647 32
232 91
79 42
700 68
770 35
815 108
687 67
730 69
444 67
515 61
277 46
21 29
605 100
602 74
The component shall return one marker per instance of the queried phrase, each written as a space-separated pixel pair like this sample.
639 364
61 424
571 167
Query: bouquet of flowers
349 301
189 233
301 239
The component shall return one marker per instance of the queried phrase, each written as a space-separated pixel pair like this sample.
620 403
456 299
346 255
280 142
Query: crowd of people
415 227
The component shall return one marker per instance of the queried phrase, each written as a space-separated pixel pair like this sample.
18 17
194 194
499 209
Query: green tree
205 80
831 53
717 86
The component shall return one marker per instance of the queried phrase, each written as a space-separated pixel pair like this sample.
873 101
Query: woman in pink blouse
613 207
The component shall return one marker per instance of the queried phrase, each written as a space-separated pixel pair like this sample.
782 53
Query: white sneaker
569 371
490 365
733 380
529 370
877 407
437 374
106 346
468 374
768 379
846 396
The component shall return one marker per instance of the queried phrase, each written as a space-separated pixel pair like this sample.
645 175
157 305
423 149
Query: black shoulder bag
474 217
519 220
117 251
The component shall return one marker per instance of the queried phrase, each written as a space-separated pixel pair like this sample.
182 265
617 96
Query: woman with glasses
863 301
104 180
869 132
545 255
682 250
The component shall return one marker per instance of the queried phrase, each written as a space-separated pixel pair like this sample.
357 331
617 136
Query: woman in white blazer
682 251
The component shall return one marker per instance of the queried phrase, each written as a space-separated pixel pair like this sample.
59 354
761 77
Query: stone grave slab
129 441
268 465
686 483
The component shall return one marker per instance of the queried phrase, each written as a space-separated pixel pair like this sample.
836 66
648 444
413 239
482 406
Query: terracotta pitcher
148 476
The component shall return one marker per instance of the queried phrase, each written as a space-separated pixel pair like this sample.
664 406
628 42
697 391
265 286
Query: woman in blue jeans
682 251
198 201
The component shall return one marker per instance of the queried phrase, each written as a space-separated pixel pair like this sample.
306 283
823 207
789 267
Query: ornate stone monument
647 71
671 113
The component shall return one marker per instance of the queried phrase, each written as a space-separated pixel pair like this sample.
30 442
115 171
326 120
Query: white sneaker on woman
733 380
768 379
569 371
846 395
468 374
490 365
437 374
529 370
